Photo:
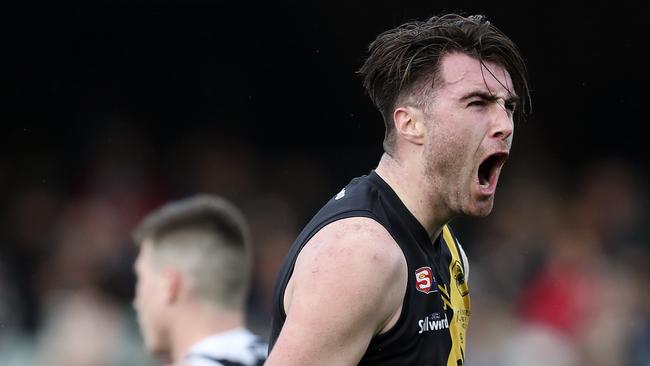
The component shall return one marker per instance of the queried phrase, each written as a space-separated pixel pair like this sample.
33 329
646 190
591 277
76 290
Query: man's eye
476 103
511 106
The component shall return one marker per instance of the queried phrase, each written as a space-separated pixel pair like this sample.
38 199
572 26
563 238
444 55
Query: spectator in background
274 225
564 287
192 274
83 320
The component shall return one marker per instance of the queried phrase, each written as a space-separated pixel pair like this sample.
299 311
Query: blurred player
192 278
377 277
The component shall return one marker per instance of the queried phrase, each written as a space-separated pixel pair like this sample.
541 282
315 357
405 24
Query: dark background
282 77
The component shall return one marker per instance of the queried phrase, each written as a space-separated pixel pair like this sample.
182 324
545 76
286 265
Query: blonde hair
207 238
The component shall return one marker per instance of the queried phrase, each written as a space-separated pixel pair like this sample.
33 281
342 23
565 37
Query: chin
150 346
480 209
483 213
159 351
153 345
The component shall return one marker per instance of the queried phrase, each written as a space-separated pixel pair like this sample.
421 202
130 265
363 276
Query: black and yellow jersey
432 327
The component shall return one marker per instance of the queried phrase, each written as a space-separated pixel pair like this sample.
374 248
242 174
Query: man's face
150 301
469 127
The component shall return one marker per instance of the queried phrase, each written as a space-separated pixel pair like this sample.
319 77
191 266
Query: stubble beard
437 168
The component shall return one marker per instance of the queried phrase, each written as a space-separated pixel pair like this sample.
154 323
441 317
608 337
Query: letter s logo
424 280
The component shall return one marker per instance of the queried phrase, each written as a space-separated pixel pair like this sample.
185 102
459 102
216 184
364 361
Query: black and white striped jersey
237 347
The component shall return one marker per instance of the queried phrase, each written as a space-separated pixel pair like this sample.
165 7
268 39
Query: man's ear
172 284
409 124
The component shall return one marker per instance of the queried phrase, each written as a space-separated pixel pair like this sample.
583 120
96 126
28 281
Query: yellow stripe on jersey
443 289
460 303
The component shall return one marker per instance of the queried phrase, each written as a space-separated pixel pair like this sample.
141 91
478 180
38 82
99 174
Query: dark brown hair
404 61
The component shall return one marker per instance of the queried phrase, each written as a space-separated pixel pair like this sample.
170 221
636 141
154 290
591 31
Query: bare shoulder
357 255
354 244
354 235
350 279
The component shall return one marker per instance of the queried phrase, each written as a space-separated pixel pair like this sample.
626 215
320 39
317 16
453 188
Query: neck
420 196
198 322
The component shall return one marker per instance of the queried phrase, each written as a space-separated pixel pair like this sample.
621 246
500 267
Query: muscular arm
347 286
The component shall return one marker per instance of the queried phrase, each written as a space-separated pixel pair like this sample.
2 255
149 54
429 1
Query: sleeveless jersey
432 326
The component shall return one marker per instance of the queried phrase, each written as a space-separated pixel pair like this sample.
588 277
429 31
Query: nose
502 124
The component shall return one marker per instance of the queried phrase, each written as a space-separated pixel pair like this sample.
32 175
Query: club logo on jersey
459 276
340 195
424 281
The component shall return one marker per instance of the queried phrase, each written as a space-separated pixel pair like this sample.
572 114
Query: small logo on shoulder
459 276
424 281
340 194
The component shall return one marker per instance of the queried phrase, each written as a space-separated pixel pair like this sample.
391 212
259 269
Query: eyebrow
489 97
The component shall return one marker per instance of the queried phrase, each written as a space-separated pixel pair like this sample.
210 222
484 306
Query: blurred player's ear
173 284
409 124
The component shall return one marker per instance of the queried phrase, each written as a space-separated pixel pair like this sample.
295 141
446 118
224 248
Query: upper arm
348 283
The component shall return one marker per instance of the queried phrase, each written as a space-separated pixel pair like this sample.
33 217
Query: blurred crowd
558 273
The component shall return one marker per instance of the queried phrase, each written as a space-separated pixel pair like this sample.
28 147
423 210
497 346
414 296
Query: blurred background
114 107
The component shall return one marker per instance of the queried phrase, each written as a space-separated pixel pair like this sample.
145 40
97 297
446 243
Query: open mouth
489 169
